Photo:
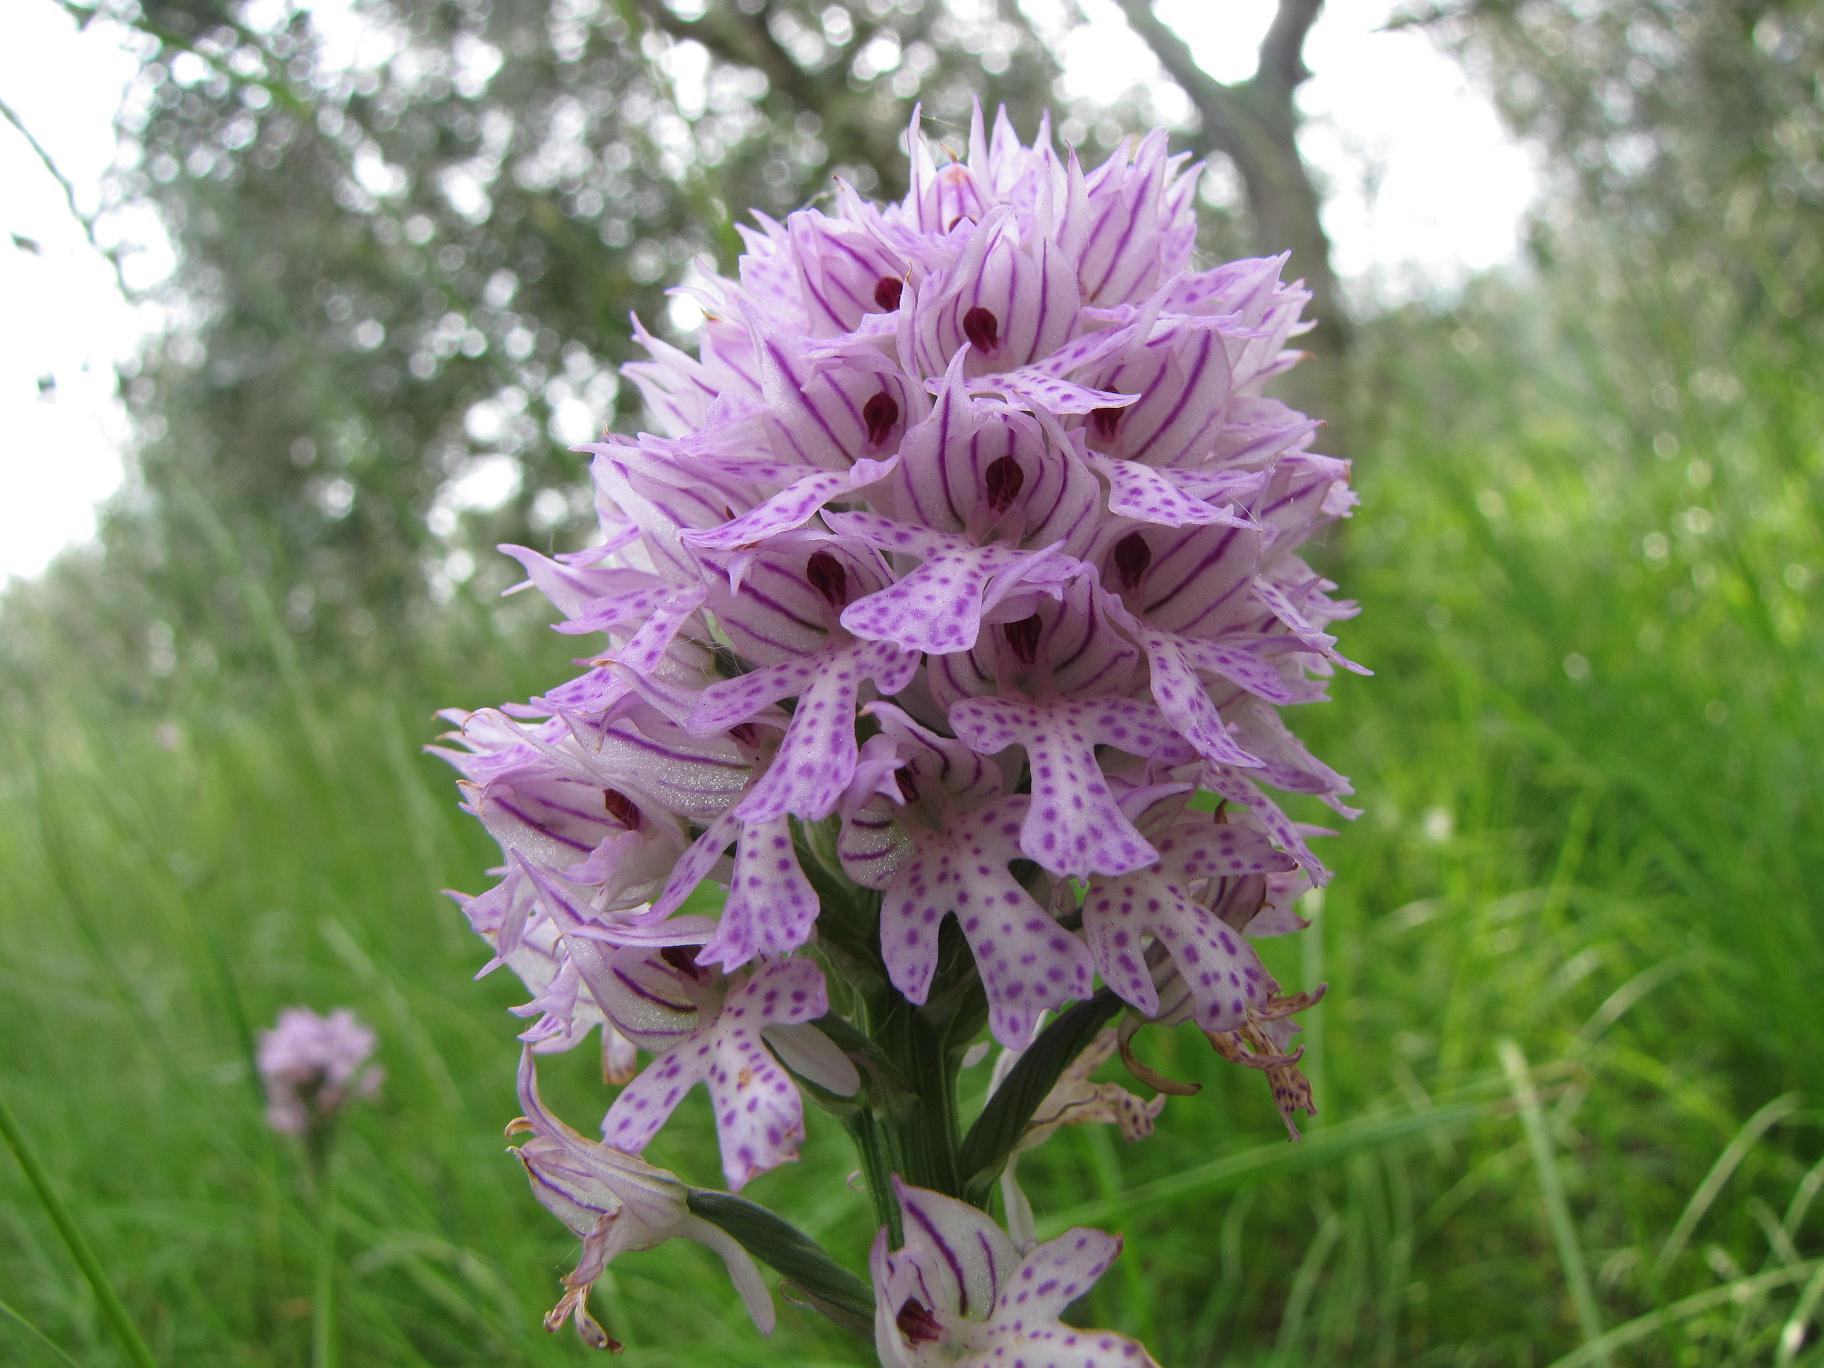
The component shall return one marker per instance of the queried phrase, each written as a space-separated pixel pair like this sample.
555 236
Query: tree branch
1224 115
744 43
1282 51
1009 12
1255 124
1444 12
87 221
747 40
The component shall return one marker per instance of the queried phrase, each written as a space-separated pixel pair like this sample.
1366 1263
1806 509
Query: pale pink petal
791 507
1154 496
759 1112
938 607
1056 1273
966 1259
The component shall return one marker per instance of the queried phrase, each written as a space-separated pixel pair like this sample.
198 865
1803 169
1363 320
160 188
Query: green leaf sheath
992 1138
833 1289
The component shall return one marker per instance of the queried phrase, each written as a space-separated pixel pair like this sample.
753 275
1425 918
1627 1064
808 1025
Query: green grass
1589 759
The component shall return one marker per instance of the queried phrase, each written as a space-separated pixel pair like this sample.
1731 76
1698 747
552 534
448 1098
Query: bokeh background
367 273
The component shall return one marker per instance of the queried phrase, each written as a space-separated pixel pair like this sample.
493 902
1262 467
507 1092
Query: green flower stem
111 1305
928 1132
323 1352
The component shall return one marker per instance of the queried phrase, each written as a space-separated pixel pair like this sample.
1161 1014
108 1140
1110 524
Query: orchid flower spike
964 550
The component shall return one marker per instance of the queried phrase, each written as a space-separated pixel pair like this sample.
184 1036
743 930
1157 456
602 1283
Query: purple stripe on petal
918 1214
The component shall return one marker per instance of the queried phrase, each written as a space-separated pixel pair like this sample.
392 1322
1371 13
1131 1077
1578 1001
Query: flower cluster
313 1066
965 558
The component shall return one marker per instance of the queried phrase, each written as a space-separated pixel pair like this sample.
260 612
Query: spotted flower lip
958 1291
1160 904
966 546
714 1035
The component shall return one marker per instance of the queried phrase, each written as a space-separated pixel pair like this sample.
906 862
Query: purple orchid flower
967 548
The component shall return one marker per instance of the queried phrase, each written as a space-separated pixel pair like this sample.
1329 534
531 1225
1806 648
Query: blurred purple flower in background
313 1066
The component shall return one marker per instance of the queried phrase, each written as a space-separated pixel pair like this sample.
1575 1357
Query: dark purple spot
887 291
916 1323
621 808
828 578
880 413
982 329
1132 556
684 959
1023 637
1003 478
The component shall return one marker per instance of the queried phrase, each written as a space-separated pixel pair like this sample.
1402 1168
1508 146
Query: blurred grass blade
1551 1190
1735 1292
1803 1197
111 1305
230 990
1721 1171
1792 1334
19 1318
1619 1002
1320 1147
1288 1348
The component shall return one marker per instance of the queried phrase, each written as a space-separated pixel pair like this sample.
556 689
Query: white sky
1425 187
64 320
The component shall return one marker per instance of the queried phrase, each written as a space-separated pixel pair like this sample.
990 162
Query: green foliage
835 1291
411 262
1686 136
1008 1113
